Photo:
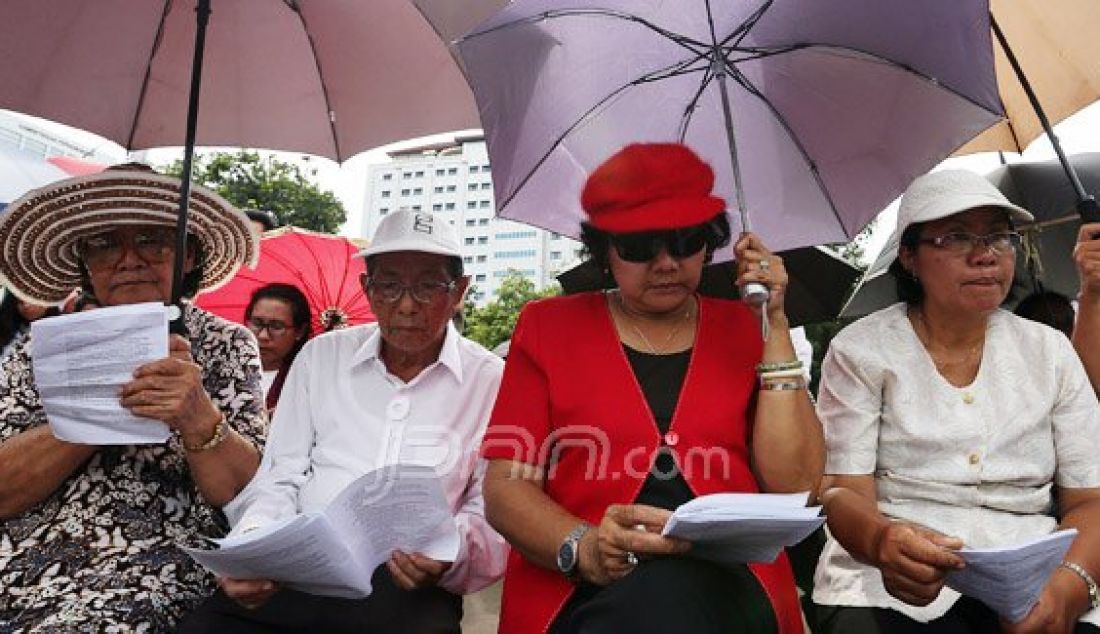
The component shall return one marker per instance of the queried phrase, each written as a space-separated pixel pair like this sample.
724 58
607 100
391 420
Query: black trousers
670 595
387 609
967 616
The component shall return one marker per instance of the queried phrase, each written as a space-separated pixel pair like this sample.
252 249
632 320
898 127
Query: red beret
650 187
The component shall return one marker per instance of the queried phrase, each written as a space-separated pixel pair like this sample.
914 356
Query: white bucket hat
40 232
407 230
949 192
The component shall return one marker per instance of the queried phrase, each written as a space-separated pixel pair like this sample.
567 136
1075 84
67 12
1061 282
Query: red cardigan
570 399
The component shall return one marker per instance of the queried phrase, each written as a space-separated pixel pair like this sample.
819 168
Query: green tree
493 323
251 182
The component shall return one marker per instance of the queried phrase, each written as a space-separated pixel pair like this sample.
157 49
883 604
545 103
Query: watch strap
1094 591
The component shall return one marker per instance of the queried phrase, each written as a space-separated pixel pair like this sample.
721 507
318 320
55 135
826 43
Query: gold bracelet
794 364
221 431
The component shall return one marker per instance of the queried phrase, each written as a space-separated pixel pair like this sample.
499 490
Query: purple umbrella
815 115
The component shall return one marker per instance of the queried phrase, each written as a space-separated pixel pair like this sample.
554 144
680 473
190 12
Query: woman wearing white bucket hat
89 534
951 422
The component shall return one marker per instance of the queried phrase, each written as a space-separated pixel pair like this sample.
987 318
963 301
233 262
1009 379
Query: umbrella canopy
22 171
1054 44
819 283
320 265
833 107
328 77
1042 189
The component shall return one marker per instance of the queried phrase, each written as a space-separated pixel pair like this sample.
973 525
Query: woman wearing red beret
617 407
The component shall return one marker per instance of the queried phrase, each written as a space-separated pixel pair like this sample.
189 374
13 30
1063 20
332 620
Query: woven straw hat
40 232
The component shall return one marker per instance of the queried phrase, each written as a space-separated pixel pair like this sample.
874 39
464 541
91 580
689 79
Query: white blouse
976 462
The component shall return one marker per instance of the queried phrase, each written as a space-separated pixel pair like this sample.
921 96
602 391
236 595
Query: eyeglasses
391 291
963 243
643 247
105 249
274 327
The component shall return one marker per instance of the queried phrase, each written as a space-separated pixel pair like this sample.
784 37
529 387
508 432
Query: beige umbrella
1053 40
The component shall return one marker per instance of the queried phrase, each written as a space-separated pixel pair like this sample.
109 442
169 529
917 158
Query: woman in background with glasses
618 407
279 316
950 422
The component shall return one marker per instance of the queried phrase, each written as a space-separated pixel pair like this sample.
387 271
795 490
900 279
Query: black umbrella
819 283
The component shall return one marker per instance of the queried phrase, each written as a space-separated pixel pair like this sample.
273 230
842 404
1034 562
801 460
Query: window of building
524 273
466 259
511 255
472 187
437 207
555 255
449 206
514 235
483 222
470 222
483 239
387 177
405 192
416 207
485 204
418 191
452 171
474 169
385 193
450 188
419 173
480 277
485 167
555 236
482 258
471 204
439 189
383 211
486 186
468 241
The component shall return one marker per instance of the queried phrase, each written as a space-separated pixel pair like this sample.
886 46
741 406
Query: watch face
566 557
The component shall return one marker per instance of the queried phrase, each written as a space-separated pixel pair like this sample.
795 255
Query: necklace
971 353
641 335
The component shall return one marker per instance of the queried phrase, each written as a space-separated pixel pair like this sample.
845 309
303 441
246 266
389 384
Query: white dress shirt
342 414
976 462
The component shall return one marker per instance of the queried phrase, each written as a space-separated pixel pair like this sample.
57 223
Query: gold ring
765 265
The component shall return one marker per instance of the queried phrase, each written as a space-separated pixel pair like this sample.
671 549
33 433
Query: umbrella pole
753 292
1087 206
202 17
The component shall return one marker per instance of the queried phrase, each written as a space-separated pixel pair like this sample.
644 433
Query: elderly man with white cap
409 389
951 422
89 534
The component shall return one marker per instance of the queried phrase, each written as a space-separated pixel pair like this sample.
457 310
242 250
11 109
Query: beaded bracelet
783 385
794 364
221 430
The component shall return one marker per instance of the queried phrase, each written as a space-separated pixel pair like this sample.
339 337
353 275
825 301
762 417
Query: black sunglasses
643 247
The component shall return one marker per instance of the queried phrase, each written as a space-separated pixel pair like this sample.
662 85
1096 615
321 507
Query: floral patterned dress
100 555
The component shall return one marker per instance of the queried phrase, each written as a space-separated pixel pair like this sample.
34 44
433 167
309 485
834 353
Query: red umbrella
319 264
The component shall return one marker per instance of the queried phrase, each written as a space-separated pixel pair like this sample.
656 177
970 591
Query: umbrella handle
754 293
1088 209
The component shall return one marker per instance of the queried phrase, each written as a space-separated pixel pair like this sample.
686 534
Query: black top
661 377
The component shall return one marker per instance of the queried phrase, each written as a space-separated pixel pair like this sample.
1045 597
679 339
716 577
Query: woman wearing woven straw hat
617 407
952 422
89 534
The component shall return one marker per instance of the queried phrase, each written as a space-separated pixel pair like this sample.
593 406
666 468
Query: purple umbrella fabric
836 106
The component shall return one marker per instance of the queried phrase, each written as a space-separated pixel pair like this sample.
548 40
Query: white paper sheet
335 552
1010 579
733 528
81 361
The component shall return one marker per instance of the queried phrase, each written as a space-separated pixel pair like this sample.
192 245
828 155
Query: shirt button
974 458
968 398
672 439
398 408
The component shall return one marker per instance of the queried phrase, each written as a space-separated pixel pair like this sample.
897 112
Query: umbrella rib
685 122
331 114
157 40
742 31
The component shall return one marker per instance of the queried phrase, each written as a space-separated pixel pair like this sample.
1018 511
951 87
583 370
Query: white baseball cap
948 192
408 230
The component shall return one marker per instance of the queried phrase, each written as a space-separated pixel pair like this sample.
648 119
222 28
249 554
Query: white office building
24 134
453 180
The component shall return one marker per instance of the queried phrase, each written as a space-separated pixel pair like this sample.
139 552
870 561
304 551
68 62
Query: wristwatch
1094 592
569 551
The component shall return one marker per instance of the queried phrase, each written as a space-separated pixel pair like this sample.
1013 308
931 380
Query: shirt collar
449 356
